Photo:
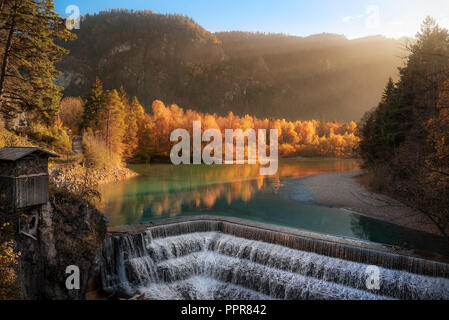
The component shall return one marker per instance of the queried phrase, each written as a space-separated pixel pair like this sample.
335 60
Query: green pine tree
388 92
93 103
134 116
28 29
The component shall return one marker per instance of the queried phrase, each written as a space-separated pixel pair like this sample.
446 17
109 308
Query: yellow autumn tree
111 125
134 115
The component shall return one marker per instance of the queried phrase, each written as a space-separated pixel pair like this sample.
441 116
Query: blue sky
353 18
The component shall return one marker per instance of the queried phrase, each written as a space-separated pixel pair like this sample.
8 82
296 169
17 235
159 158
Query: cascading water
220 260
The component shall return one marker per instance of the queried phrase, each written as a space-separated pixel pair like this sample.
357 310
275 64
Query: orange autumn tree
307 138
112 123
71 113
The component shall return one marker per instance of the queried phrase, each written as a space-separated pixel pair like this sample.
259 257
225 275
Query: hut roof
16 153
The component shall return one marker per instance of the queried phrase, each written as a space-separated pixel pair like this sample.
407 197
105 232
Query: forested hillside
171 58
405 141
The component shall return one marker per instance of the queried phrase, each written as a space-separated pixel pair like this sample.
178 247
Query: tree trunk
107 135
6 54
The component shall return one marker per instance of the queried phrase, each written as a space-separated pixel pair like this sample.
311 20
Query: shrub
8 138
52 137
96 154
71 113
9 288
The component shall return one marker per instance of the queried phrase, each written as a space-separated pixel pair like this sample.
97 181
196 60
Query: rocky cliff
69 233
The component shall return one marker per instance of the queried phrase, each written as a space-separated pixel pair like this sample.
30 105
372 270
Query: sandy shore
343 190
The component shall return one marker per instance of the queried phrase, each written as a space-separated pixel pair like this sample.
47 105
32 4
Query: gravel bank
342 190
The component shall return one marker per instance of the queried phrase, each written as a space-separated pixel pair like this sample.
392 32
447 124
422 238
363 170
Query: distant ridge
172 58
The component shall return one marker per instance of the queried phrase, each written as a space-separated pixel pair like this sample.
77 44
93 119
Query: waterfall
212 259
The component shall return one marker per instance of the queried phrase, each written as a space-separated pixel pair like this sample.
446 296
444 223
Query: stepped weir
223 258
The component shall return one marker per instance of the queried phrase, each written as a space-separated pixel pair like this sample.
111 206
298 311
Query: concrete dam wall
223 258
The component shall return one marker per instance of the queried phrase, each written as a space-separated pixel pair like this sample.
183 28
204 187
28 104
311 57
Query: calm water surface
163 191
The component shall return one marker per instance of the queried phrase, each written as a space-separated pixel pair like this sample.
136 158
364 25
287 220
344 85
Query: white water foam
212 265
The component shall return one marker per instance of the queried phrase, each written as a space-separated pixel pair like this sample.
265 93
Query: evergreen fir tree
134 116
388 92
28 29
93 103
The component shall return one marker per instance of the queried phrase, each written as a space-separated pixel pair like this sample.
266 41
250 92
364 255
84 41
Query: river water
166 191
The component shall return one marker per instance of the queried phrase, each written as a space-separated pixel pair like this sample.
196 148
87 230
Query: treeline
306 138
405 140
171 58
116 128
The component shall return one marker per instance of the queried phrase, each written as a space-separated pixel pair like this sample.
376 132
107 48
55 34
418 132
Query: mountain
172 58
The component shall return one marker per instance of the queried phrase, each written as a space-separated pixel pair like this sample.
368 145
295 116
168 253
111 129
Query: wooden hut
23 177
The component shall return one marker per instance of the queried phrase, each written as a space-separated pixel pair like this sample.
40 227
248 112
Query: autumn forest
120 126
364 122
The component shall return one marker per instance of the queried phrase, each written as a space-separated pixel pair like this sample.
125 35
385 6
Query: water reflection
168 191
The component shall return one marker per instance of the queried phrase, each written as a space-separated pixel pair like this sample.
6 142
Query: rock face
69 233
72 177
